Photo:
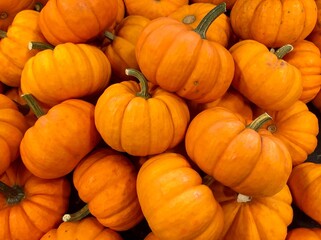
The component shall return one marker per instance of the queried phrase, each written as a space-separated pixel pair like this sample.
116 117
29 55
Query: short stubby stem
243 198
13 195
72 217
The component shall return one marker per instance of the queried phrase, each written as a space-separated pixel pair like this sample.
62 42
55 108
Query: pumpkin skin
14 52
41 209
306 57
140 125
315 35
305 187
267 81
68 71
153 9
254 218
10 8
304 233
57 155
121 51
222 144
86 229
106 181
220 31
12 128
170 192
76 21
180 71
286 23
229 3
297 127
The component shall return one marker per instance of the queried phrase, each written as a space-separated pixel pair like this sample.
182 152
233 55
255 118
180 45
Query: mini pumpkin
315 35
174 201
229 3
30 206
304 233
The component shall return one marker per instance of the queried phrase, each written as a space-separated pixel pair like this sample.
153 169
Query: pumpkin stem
3 15
23 108
282 51
32 103
40 46
142 81
13 194
109 35
80 214
257 123
3 34
243 198
208 180
38 6
209 18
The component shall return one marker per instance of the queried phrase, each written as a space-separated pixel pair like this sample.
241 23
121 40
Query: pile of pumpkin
190 115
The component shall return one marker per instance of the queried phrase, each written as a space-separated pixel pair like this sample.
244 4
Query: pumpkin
140 119
264 77
67 71
121 12
202 74
254 218
304 233
229 3
12 128
152 9
30 206
297 127
316 101
306 57
76 21
14 52
121 51
174 201
9 9
220 31
315 35
59 139
106 181
305 186
273 23
86 229
250 161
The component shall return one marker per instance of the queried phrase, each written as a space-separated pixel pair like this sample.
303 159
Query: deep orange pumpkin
202 74
87 229
174 201
106 181
229 3
12 128
76 21
273 23
251 162
30 206
315 35
304 233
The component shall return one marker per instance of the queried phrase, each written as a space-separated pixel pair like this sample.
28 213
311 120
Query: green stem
3 34
208 180
142 80
109 35
32 103
13 194
38 6
209 18
40 46
72 217
282 51
257 123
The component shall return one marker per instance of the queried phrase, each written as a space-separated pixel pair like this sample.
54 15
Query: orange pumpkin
220 31
140 119
9 9
59 139
76 21
304 233
12 128
30 206
306 57
174 201
264 77
305 186
254 218
229 3
14 52
315 35
121 50
316 101
106 181
273 23
68 71
236 154
153 9
87 229
202 74
297 127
